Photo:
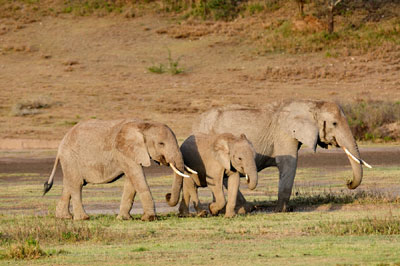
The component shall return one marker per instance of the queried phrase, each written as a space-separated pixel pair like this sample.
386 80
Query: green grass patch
171 67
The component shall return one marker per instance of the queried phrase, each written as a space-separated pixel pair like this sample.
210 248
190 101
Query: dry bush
367 119
30 106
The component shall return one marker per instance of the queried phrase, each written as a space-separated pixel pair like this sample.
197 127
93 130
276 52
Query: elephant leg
138 179
62 209
76 198
219 203
233 188
242 206
128 196
196 202
188 184
287 171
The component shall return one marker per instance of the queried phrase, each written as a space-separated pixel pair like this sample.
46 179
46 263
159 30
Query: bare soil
89 67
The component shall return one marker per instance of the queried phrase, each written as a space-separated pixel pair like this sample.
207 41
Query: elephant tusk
247 177
177 172
366 164
191 170
351 155
362 162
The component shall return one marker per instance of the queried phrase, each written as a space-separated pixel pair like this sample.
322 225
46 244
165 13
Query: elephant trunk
252 178
173 197
350 144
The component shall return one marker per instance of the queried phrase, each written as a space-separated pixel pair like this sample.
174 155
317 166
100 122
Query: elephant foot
213 209
149 217
183 211
63 216
283 207
124 217
202 213
183 214
229 214
83 216
245 208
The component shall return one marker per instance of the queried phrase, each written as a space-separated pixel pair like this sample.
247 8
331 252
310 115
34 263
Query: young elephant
213 157
101 152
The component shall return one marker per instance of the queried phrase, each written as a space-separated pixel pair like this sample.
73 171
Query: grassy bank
329 225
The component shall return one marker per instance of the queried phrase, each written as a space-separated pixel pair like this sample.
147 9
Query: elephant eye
161 144
335 124
239 158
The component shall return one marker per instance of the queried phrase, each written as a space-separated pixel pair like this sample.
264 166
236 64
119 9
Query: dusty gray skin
212 157
277 132
99 152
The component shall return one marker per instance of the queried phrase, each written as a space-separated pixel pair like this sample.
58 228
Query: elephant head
237 153
147 141
325 124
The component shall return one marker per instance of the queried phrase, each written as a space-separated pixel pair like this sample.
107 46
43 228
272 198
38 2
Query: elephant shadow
326 201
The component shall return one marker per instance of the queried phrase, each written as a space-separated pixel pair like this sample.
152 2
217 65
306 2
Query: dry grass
389 225
30 106
27 250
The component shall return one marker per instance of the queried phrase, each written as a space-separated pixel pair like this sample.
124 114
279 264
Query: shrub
30 106
367 117
27 250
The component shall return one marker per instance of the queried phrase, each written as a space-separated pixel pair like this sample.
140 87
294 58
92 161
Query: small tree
331 7
300 5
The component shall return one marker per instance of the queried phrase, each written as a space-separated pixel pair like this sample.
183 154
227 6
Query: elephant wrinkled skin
214 157
277 132
99 152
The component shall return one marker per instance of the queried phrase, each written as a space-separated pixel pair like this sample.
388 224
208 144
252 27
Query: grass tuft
172 66
27 250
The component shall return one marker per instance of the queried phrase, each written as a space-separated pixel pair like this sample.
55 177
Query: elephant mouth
162 160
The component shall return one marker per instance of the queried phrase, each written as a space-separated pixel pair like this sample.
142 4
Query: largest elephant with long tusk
277 132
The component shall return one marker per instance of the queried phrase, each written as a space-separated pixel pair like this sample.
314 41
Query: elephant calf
101 152
213 157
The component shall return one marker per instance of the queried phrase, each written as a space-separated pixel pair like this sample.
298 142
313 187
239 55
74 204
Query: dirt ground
90 67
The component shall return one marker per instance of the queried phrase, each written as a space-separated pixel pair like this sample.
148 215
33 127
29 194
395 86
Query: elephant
277 132
207 158
100 152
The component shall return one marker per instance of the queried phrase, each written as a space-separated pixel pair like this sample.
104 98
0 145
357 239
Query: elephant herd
227 143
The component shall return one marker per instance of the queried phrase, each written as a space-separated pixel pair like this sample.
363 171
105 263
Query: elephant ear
130 142
221 151
304 130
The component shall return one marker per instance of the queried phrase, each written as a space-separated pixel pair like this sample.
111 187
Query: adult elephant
277 132
101 152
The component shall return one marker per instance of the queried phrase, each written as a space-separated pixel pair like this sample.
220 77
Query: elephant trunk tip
352 185
47 187
168 199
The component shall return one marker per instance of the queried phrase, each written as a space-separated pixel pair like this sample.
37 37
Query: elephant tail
49 183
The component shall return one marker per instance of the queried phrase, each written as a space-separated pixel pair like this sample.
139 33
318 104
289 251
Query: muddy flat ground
23 174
